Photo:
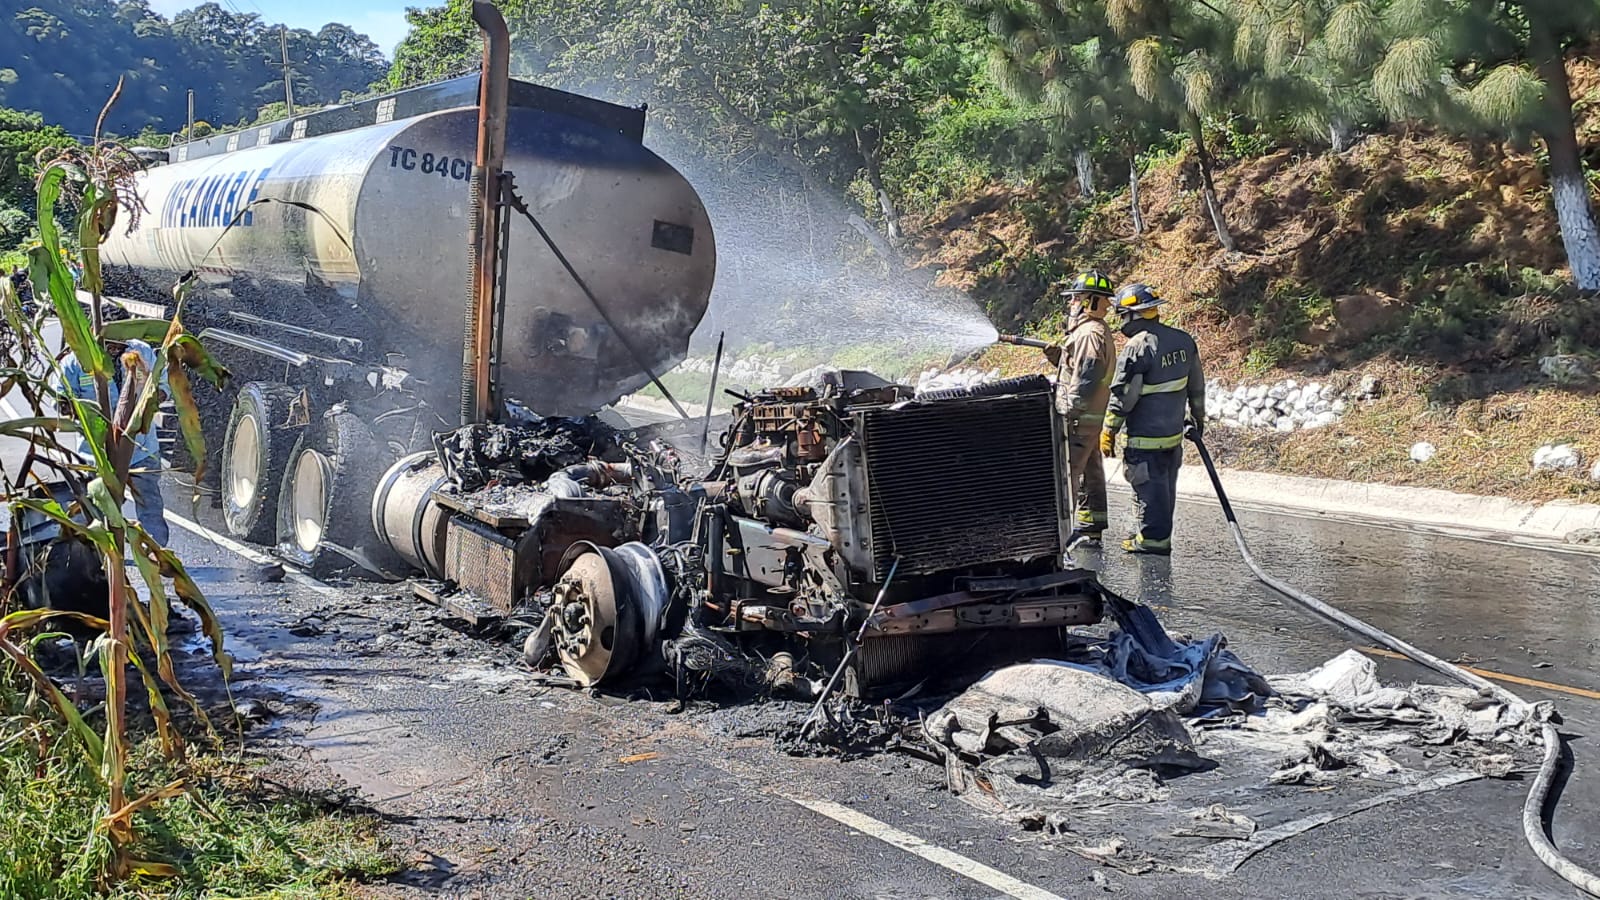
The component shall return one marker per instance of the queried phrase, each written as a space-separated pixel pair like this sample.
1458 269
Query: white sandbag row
1285 406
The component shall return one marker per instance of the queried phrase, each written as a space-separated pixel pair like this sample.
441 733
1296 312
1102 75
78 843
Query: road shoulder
1574 526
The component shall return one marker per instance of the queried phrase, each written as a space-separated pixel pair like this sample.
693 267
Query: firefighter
144 473
1082 388
1157 382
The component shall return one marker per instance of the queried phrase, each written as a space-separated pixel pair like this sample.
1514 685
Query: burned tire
255 453
326 494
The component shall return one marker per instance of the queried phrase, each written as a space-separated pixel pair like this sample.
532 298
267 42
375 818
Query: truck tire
255 452
326 496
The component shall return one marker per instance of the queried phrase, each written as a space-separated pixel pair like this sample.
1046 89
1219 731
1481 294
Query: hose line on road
1533 825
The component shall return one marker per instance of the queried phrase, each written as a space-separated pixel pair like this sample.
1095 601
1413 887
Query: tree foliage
64 56
833 88
897 97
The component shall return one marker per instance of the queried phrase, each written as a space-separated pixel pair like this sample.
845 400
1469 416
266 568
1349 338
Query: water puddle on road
486 676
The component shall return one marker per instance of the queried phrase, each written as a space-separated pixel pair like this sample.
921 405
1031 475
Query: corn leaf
93 747
192 597
149 400
185 350
99 536
94 223
46 268
98 427
189 426
151 331
14 315
21 427
182 353
171 743
119 823
150 869
113 668
155 624
107 506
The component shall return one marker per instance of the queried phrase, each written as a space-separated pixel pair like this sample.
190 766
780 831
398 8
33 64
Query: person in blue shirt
144 472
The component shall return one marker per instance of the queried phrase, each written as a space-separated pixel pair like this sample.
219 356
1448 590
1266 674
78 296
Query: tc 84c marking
455 168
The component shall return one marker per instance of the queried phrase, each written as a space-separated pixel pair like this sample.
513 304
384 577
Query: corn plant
96 183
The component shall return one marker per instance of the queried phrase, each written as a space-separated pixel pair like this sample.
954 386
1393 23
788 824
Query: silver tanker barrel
334 280
378 223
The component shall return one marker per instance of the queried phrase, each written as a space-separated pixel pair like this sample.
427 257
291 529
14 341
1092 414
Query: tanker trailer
331 259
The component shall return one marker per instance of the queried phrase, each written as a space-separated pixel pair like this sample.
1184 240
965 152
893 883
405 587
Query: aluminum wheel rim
244 476
309 501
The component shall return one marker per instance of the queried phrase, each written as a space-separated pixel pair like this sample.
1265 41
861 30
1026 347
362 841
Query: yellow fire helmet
1138 297
1090 282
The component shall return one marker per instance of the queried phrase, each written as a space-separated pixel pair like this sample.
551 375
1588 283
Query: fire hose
1533 825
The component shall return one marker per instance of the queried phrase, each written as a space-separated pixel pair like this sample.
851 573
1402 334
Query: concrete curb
1572 525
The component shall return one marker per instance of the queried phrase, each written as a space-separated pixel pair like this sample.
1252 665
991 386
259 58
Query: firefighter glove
1194 430
1108 443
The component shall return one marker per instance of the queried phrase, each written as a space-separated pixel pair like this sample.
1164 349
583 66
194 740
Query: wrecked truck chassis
993 602
933 528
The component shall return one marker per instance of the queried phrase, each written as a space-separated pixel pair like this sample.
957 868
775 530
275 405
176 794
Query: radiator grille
958 483
482 562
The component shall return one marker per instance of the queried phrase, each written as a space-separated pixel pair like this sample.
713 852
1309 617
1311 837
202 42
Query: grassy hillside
1432 263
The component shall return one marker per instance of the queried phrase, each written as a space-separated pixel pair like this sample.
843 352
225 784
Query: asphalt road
501 788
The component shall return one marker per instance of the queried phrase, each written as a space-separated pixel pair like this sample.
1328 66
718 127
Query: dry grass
1485 444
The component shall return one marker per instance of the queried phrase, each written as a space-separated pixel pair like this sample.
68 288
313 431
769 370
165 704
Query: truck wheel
254 454
326 495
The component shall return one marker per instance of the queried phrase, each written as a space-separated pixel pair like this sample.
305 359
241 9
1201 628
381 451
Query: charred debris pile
888 570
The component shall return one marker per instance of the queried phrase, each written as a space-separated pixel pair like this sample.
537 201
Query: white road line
949 859
251 554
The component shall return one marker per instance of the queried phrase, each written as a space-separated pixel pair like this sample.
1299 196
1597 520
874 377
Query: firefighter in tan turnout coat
1086 359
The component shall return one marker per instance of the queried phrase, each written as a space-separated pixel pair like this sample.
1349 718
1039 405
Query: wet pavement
499 787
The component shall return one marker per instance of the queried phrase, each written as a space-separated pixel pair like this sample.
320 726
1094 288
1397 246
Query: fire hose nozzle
1021 341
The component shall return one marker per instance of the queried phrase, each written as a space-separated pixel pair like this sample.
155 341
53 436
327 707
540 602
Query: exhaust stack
483 218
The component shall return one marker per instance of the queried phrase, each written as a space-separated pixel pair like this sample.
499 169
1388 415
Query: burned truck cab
933 527
849 528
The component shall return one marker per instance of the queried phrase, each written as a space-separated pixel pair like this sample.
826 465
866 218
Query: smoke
796 272
795 275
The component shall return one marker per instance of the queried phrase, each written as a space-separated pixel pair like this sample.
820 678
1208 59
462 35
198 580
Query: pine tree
1500 67
1317 58
1061 57
1180 57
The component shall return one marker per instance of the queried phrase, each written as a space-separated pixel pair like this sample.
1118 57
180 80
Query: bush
965 143
14 225
1268 356
1528 280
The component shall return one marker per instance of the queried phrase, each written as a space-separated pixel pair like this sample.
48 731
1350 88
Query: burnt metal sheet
887 661
1080 610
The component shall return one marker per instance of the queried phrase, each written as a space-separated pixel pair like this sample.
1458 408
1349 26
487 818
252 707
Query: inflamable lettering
214 201
439 165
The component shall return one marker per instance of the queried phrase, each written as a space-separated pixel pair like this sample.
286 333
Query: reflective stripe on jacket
1158 379
1083 384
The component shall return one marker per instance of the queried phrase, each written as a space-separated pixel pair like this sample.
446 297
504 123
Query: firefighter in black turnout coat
1158 383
